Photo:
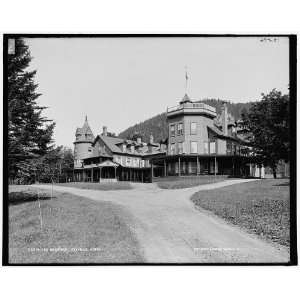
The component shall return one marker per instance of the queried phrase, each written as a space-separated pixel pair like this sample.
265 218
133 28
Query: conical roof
85 132
86 129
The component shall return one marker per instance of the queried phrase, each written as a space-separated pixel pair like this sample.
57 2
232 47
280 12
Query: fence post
40 210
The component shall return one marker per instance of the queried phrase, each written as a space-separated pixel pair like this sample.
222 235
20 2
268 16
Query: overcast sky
119 82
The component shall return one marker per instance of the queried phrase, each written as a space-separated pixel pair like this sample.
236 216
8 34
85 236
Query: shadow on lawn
282 184
16 198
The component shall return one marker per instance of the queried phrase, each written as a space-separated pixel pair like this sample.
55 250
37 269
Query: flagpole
186 79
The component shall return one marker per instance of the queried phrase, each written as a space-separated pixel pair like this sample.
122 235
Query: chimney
104 131
139 140
225 119
151 139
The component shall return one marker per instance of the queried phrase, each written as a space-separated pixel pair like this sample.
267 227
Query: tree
29 133
269 125
55 166
244 112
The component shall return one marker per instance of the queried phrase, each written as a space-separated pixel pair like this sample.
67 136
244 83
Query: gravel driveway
171 230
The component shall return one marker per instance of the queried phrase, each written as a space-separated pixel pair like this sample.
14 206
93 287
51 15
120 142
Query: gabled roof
113 142
221 135
216 130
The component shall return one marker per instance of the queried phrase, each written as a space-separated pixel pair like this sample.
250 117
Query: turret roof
85 131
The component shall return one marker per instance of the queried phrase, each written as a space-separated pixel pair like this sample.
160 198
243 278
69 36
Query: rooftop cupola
185 99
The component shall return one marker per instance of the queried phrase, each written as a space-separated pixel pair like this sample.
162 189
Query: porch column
142 175
83 175
259 171
115 172
100 174
179 173
151 170
197 171
215 165
165 168
92 175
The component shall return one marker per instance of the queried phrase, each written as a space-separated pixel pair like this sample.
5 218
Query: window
228 147
179 129
172 149
124 148
194 147
132 148
193 128
212 147
172 130
90 149
234 149
180 147
205 147
128 161
118 159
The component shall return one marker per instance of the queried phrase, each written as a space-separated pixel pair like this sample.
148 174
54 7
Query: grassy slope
261 207
120 185
69 222
176 182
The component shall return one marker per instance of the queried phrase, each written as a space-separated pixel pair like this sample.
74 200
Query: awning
107 163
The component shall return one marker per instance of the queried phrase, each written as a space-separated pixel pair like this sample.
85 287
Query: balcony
192 108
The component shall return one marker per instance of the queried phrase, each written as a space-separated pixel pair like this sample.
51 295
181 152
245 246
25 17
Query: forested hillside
157 126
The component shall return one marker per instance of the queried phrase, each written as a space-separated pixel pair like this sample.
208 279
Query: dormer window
132 148
124 148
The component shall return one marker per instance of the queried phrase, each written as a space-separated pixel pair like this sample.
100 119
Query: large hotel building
199 142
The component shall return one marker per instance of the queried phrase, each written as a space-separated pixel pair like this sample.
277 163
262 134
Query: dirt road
171 230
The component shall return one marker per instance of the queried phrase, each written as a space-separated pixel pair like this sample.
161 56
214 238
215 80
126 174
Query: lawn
120 185
74 230
262 207
182 182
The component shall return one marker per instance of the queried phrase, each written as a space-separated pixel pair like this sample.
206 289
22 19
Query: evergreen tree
29 133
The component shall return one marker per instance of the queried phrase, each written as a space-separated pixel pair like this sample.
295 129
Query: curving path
171 230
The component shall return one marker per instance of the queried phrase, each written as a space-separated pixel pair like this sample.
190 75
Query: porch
109 171
195 165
